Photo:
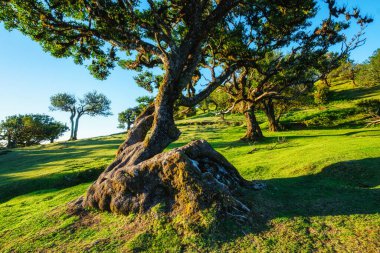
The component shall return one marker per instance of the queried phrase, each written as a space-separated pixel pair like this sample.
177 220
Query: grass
322 195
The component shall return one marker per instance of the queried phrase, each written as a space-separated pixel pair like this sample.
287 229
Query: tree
182 38
92 104
143 103
275 77
30 129
127 117
369 72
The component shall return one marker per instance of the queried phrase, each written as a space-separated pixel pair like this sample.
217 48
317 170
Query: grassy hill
322 194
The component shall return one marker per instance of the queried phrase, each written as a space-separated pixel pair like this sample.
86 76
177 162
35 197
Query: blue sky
29 76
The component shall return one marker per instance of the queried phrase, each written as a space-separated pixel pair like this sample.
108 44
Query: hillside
322 194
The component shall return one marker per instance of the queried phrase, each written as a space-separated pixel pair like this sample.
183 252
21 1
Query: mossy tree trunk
270 113
253 131
141 177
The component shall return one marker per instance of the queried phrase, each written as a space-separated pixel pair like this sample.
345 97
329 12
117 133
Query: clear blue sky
29 76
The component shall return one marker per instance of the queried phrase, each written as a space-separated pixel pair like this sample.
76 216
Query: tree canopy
92 104
30 129
368 73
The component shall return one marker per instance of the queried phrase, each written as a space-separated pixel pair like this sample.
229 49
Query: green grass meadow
322 194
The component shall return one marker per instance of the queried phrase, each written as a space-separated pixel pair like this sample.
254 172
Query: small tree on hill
143 103
127 118
92 104
369 72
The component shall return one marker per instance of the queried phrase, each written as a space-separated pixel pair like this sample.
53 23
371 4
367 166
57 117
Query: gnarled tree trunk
253 131
185 180
270 113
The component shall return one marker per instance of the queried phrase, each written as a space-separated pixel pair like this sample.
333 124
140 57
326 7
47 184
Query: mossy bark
253 131
185 180
270 113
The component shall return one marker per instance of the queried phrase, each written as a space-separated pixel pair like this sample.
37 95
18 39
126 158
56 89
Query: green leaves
30 129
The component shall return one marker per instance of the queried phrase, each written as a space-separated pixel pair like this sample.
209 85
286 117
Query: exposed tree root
185 180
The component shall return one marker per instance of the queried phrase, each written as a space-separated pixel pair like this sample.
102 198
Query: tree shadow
356 93
344 188
52 181
76 159
220 144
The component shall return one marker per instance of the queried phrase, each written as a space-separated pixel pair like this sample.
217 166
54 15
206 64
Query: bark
270 113
141 176
72 125
185 180
75 133
253 131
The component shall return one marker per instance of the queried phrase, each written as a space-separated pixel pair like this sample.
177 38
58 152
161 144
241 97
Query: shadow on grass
23 160
74 169
344 188
23 186
356 93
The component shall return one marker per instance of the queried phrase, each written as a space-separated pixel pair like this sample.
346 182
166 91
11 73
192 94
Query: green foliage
370 106
329 118
220 99
183 112
127 117
30 129
93 104
321 93
148 80
369 73
63 102
143 102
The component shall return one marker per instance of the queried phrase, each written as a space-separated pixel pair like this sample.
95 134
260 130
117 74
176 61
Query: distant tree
369 72
321 93
30 129
127 117
143 103
275 77
92 104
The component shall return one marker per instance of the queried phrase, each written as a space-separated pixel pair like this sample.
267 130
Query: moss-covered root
185 180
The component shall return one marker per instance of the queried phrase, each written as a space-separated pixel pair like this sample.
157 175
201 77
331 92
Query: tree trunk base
184 180
258 136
